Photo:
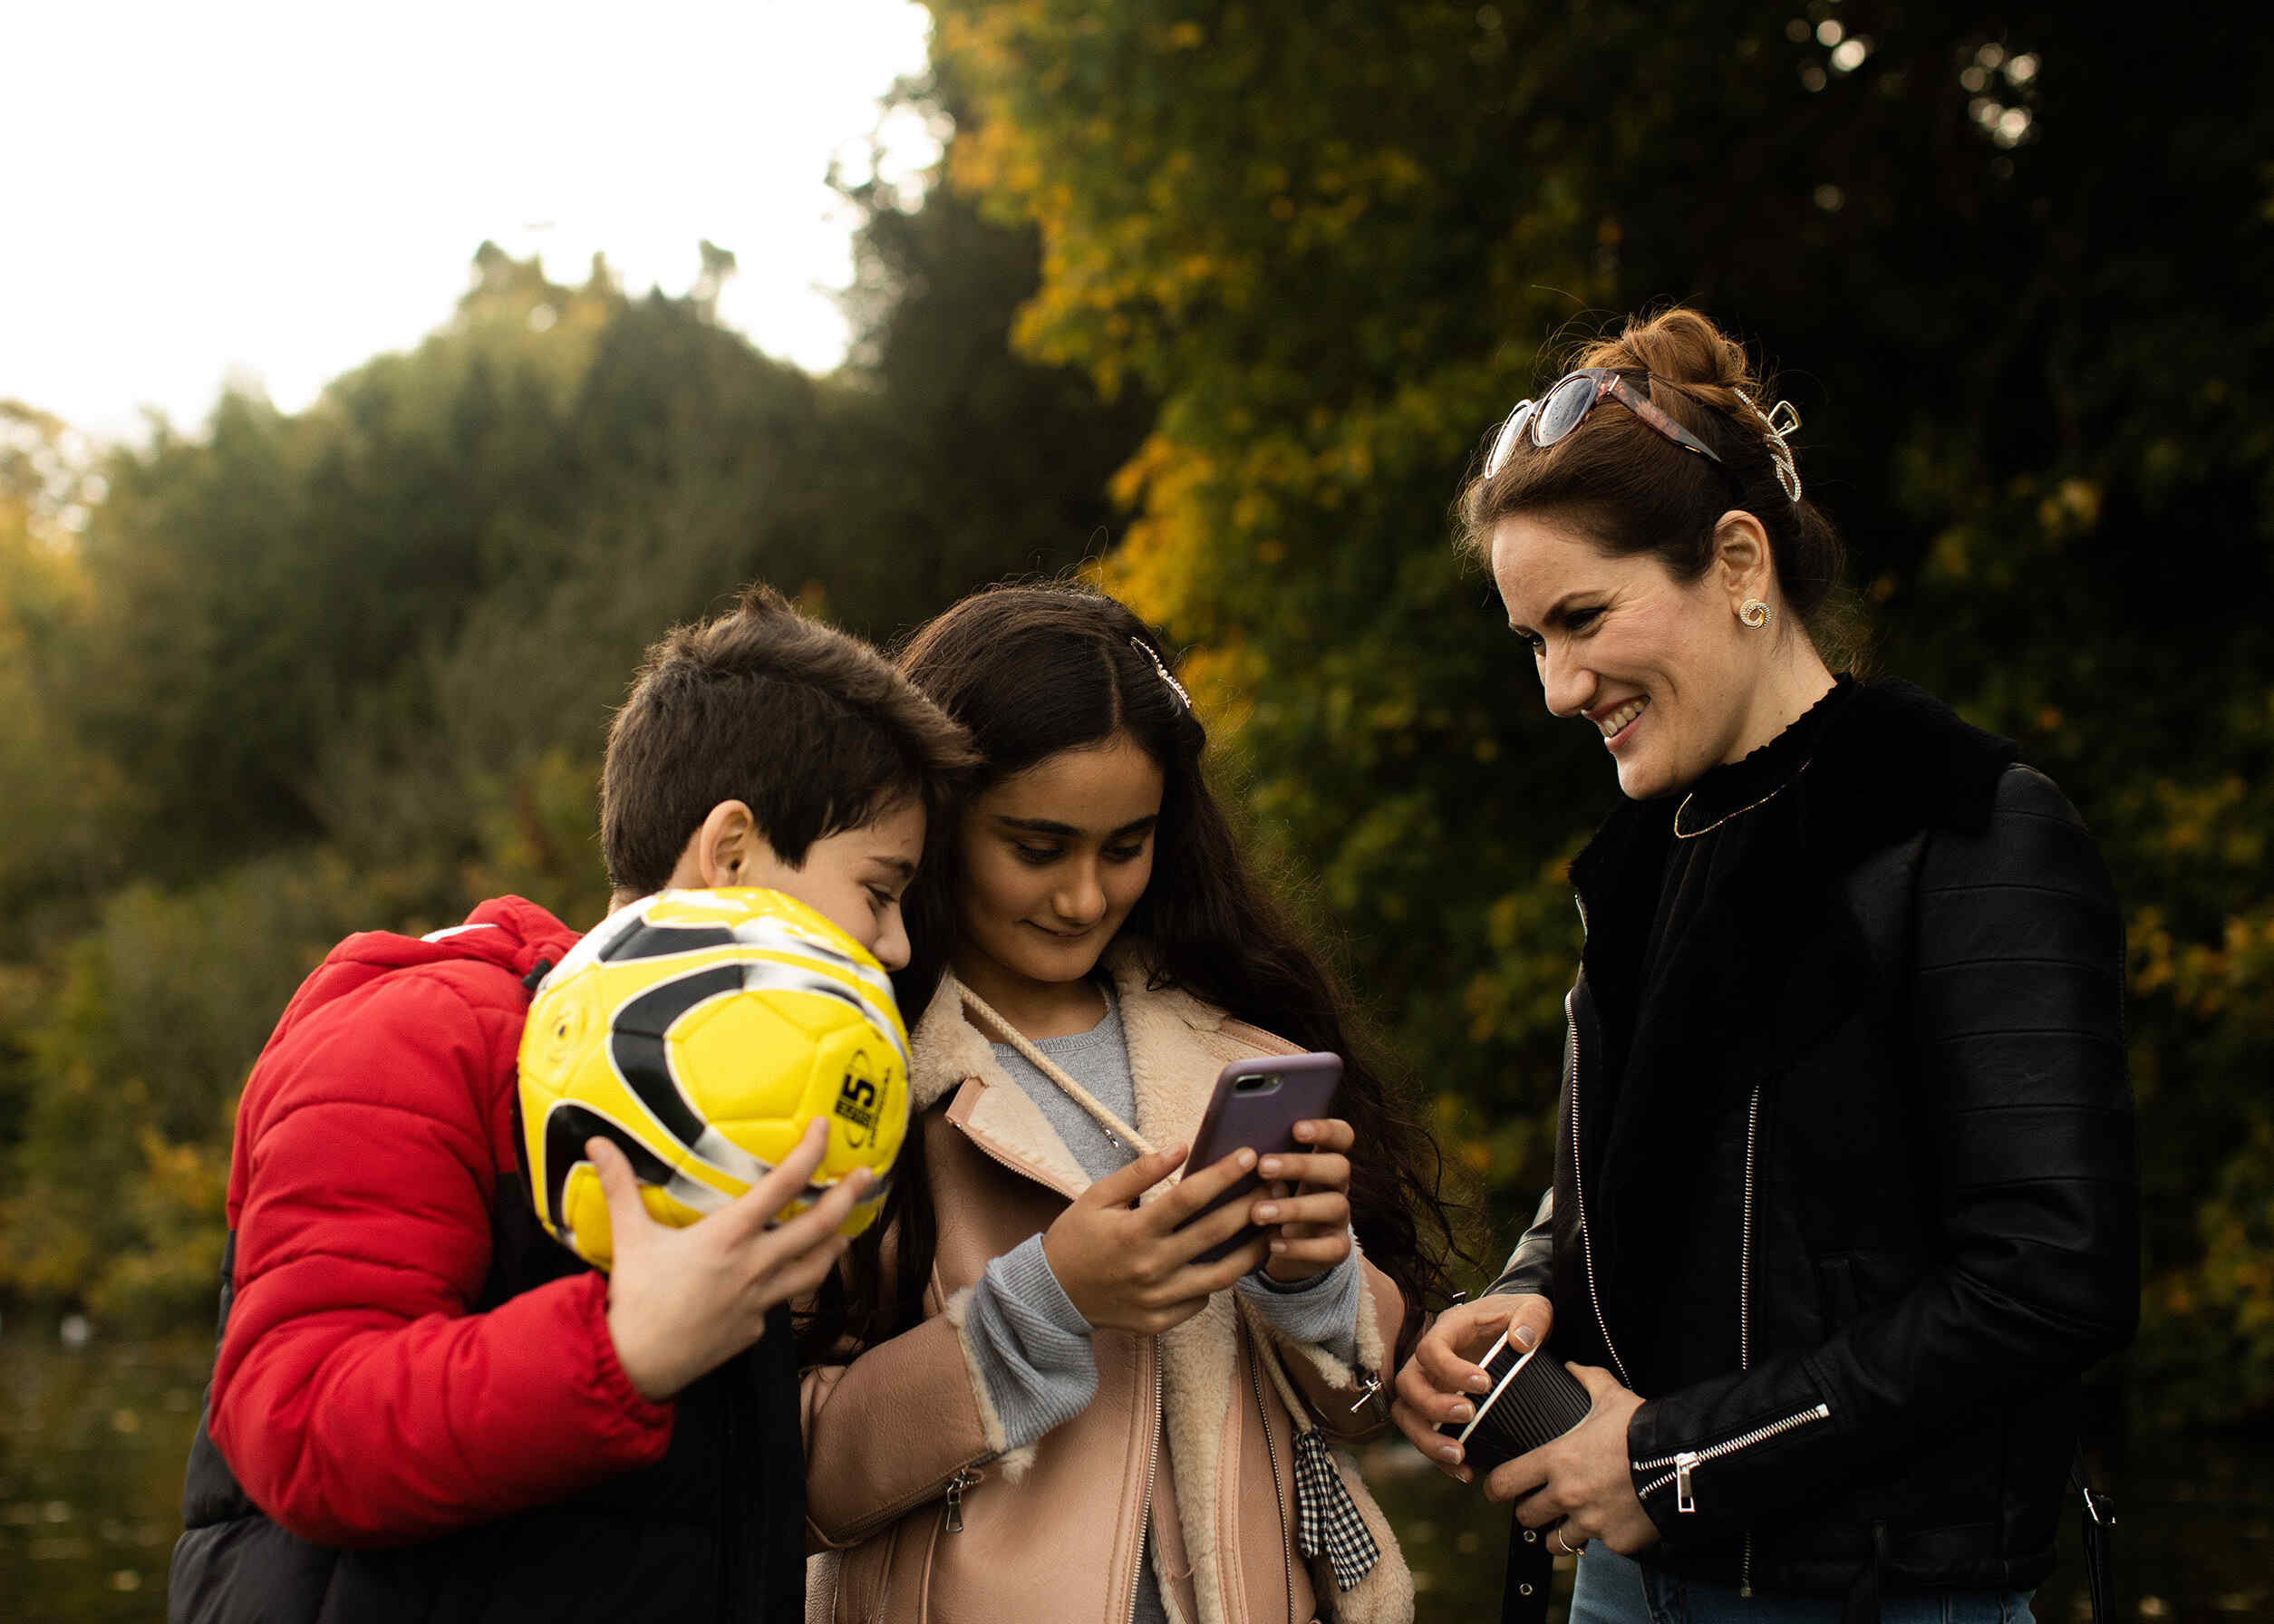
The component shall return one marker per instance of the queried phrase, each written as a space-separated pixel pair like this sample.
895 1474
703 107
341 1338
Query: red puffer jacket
357 1398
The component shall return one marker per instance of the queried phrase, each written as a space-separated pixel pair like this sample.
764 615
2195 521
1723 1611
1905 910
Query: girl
1039 1402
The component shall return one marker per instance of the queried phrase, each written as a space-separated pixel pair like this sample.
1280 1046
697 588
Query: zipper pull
1684 1500
964 1479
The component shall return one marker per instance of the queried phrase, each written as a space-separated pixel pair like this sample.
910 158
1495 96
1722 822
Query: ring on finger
1564 1545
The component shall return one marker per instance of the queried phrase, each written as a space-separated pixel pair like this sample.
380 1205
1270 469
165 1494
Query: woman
1033 1398
1844 1192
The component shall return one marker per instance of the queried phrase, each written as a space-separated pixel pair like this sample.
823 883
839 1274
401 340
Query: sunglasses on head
1566 406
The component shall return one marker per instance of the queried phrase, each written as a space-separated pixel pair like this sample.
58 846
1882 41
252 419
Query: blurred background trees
289 677
1237 288
2016 259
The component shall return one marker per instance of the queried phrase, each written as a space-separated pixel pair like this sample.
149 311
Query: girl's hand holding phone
1129 1267
1306 1208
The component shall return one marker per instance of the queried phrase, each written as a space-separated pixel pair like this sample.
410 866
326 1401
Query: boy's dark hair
810 727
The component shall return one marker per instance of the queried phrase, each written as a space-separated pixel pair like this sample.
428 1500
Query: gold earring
1755 613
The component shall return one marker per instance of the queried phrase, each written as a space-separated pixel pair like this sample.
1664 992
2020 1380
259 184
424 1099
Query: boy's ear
727 850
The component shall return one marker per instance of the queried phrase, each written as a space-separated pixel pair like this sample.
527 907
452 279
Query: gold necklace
1681 834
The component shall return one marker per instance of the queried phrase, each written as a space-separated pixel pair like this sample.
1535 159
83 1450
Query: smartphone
1257 1104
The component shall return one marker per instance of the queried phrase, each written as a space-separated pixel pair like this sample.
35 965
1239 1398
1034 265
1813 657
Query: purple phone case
1263 1119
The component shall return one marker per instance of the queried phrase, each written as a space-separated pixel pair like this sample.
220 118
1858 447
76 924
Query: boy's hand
1309 1200
683 1301
1129 1267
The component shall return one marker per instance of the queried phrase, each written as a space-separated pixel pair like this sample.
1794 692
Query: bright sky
278 191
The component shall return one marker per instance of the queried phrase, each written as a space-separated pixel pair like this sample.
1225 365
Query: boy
424 1406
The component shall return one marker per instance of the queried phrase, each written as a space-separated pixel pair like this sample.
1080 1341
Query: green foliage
295 676
51 780
138 1040
1338 240
292 674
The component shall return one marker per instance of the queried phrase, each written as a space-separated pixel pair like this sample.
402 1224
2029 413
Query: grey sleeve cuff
1321 1310
1030 1343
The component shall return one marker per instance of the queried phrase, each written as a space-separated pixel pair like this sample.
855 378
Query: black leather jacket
1861 1203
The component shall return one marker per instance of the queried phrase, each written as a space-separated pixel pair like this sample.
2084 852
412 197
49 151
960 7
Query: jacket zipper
1000 1159
965 1476
1270 1453
1153 1449
1684 1462
1745 1238
1745 1297
1152 1460
1579 1190
949 1522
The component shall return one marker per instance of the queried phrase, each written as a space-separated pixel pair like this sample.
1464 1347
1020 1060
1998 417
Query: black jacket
713 1531
1860 1202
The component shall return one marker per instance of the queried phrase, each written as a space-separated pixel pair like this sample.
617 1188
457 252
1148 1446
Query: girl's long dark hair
1034 670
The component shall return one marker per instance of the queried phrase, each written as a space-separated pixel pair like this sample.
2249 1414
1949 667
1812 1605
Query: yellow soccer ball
701 1032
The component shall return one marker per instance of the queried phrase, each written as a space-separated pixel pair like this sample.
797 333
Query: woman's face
1053 858
1664 672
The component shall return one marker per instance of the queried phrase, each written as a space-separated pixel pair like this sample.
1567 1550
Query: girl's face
1664 672
1053 858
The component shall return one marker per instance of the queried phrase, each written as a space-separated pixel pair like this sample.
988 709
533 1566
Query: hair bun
1635 494
1683 348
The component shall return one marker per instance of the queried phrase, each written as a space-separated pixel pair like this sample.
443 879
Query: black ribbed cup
1533 1401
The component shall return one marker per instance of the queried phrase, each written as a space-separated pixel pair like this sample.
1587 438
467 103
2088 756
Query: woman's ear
1742 566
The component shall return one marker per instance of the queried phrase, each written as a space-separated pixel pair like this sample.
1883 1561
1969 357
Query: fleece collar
1172 1070
1893 760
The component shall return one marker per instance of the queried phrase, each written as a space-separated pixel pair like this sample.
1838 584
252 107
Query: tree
967 462
1337 241
354 667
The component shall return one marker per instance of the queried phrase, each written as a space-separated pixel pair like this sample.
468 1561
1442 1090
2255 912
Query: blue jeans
1616 1589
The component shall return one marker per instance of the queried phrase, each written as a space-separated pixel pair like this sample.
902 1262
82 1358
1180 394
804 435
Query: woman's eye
1036 855
881 898
1580 619
1125 854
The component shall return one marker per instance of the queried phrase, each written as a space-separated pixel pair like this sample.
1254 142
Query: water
92 1446
92 1441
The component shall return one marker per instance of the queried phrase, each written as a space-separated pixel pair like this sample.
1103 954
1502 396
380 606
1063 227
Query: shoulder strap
1524 1596
1138 1143
2099 1523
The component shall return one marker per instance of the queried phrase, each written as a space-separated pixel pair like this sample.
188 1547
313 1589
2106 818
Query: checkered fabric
1327 1520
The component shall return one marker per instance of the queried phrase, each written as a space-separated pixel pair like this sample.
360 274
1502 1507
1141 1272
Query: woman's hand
1130 1267
1441 1381
1307 1201
1582 1480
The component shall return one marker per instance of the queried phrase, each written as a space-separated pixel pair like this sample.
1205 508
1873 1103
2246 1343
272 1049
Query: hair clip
1151 653
1780 422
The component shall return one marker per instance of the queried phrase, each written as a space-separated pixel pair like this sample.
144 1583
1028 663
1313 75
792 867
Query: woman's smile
1617 723
1661 669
